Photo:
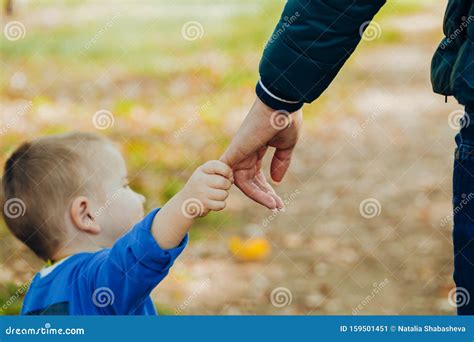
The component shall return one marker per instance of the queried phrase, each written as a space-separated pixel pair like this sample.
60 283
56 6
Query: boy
76 205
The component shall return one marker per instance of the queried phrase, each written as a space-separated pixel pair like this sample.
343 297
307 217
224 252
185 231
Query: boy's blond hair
40 178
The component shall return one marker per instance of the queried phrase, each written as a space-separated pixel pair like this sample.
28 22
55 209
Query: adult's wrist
274 101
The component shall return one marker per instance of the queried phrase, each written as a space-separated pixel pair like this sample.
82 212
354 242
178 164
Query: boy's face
122 207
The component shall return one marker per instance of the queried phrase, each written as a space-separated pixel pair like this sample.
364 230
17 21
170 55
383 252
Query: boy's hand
207 189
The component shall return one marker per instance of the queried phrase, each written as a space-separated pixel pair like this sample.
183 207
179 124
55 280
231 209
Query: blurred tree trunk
9 7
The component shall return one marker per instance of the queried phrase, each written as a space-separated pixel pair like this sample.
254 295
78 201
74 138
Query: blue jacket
112 281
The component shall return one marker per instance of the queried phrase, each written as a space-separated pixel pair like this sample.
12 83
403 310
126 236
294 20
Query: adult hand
263 127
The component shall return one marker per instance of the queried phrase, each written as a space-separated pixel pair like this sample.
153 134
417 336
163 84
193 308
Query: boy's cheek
122 213
141 213
130 209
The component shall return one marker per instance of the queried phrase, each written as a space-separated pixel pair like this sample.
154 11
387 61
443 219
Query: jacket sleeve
308 47
125 276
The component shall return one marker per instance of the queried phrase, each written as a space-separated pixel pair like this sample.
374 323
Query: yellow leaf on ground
253 249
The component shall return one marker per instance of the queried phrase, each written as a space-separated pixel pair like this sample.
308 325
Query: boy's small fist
207 189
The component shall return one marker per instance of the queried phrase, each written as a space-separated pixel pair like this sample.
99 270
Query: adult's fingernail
273 205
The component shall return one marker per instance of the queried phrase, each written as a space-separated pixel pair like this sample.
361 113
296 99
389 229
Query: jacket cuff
274 101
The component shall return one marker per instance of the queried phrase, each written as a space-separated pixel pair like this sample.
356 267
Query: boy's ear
82 216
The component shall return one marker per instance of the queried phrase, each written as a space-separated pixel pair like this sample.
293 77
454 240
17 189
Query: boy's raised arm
140 259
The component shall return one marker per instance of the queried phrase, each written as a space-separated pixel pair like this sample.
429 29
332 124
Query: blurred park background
367 228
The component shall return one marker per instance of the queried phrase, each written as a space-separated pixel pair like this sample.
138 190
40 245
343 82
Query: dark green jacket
453 63
314 38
